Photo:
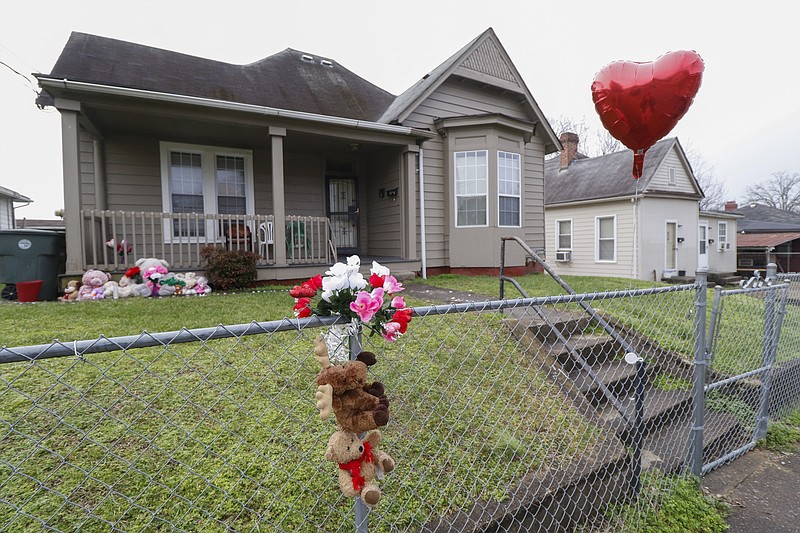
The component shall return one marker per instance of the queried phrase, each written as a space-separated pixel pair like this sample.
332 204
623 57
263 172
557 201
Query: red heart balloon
639 103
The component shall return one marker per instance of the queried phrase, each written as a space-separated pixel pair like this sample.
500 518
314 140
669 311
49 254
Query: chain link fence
568 413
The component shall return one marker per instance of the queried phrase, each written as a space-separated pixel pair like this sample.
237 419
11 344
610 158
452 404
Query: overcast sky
745 120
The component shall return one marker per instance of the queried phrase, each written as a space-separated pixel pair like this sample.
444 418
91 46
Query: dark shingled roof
283 80
605 176
763 218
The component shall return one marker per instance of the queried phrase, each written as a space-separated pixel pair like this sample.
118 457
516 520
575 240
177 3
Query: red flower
132 272
302 291
376 281
301 309
402 317
315 282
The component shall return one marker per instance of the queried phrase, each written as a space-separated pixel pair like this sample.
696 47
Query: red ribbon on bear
354 467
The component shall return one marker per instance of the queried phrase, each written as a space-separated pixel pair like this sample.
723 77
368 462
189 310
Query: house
601 221
768 235
7 200
295 158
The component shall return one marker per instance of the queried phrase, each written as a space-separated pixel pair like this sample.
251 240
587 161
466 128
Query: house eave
94 88
591 201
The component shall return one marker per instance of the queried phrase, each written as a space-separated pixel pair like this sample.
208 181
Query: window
508 189
563 235
722 235
471 173
606 233
204 180
671 178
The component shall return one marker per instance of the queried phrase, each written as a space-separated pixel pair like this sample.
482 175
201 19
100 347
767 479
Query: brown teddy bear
70 291
360 464
358 406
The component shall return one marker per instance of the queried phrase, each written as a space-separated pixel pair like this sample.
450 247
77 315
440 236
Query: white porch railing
114 240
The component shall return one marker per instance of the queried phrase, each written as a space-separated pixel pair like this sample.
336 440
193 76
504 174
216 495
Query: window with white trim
606 239
564 235
471 177
508 189
204 180
722 235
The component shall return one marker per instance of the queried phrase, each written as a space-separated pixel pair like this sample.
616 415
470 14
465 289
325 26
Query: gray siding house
602 222
295 158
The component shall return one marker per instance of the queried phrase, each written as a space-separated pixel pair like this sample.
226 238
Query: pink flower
398 302
390 331
391 285
366 304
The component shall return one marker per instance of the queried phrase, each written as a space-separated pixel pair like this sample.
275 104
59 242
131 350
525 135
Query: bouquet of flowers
343 291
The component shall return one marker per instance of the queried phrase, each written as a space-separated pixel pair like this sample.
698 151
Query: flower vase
337 339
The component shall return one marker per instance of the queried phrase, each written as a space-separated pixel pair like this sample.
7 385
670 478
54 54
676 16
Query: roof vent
306 57
326 63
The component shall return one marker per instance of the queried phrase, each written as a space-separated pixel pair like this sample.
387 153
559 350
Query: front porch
113 240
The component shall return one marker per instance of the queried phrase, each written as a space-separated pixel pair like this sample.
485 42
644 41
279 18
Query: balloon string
634 265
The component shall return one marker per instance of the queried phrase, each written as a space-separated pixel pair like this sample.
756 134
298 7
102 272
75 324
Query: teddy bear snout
360 449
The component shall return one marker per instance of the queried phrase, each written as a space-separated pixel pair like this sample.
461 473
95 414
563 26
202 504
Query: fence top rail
147 340
751 290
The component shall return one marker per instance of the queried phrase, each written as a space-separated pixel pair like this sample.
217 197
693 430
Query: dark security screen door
343 213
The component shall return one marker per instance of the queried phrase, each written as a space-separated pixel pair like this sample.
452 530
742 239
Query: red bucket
28 291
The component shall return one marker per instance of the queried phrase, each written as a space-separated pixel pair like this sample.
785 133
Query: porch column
70 144
100 197
278 207
408 199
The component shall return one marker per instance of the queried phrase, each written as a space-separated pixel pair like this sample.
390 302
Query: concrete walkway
762 489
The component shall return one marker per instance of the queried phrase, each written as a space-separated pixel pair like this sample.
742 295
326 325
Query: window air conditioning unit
563 257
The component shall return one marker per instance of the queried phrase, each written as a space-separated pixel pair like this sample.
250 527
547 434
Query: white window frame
517 196
571 235
720 240
208 155
671 175
456 196
597 220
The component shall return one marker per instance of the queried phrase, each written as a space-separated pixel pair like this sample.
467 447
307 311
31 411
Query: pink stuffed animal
92 288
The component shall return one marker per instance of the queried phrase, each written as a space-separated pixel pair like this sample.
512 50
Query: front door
671 250
702 247
343 213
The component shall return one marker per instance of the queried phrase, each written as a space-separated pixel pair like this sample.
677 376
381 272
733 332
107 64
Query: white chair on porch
265 238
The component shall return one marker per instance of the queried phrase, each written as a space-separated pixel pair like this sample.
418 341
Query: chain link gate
740 360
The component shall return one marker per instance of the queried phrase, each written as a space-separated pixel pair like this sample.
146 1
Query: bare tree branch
782 191
713 188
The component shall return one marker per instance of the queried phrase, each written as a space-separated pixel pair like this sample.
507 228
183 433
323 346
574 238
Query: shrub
229 269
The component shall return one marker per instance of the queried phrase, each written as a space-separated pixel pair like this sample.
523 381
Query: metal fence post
360 508
699 398
767 354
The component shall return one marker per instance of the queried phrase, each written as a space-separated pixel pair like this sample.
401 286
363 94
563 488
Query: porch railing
113 240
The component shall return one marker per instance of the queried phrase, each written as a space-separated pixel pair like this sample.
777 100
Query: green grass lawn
225 435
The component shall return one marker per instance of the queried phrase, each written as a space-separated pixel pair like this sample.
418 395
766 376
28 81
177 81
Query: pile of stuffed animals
360 408
150 277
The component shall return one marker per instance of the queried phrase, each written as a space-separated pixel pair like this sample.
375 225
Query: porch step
595 349
618 376
551 321
668 446
660 408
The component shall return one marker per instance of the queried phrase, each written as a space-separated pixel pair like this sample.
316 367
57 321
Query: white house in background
7 200
721 229
599 221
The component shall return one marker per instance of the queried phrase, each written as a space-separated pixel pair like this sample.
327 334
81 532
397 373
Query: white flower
326 295
335 283
338 269
354 261
356 281
379 269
